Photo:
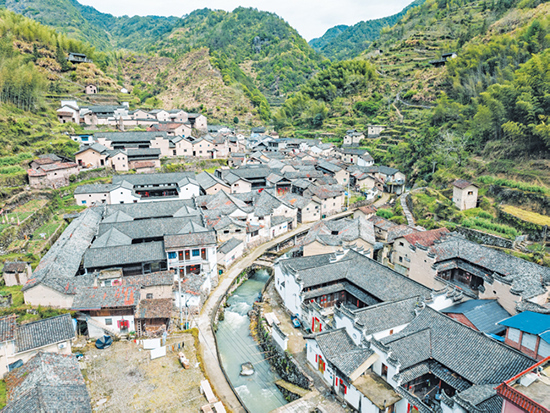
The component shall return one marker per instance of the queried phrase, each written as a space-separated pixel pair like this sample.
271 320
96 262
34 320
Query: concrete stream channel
258 392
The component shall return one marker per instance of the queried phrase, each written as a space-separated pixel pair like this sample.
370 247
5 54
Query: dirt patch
123 378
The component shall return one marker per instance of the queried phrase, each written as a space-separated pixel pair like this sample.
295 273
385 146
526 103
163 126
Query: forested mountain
104 31
346 42
490 104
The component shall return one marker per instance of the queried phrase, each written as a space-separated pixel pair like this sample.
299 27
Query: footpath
206 336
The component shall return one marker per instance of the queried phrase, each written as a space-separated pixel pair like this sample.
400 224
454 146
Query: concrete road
206 336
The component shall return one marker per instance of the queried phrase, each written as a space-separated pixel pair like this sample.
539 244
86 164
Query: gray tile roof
125 254
151 228
130 136
47 383
44 332
341 232
325 191
111 238
58 267
483 314
328 166
385 316
197 239
94 189
340 350
467 352
298 201
154 308
375 279
96 147
14 266
229 245
150 280
156 179
96 298
144 210
399 231
527 279
207 180
7 327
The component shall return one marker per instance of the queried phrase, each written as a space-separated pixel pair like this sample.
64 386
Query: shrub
384 213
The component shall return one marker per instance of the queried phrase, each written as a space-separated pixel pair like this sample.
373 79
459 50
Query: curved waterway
258 392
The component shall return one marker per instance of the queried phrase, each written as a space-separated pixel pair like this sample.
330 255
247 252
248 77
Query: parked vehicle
295 321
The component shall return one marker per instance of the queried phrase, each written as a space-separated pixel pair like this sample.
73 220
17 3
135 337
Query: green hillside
483 111
105 31
263 47
346 42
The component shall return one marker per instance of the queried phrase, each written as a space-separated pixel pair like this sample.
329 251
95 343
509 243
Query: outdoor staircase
108 330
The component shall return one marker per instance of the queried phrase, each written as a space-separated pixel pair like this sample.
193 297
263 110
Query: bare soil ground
122 378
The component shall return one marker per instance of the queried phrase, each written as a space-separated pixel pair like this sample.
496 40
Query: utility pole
179 297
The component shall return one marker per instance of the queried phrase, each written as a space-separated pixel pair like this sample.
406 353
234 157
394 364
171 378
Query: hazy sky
310 17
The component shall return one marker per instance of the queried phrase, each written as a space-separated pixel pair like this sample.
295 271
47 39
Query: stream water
258 392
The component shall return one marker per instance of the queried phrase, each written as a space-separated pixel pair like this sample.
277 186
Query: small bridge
262 263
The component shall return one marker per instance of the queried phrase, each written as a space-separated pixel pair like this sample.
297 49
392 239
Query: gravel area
123 378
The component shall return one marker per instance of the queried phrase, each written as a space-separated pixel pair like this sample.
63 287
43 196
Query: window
108 321
149 296
171 255
108 283
401 244
83 202
513 335
187 254
470 192
196 253
203 253
400 259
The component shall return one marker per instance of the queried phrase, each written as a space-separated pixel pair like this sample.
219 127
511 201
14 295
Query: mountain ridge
346 42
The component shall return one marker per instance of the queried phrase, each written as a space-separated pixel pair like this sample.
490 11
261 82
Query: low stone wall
484 238
539 203
281 361
536 232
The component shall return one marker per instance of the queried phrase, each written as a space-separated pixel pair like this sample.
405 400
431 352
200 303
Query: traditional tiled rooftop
96 298
44 332
48 382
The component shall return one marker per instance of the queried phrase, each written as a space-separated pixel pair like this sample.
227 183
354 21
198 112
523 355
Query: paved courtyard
123 378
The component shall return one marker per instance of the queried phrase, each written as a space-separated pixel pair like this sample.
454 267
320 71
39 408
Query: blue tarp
103 342
529 322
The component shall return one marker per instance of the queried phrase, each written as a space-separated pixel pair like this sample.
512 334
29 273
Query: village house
210 184
401 254
331 198
198 121
415 357
108 309
90 89
360 157
481 272
366 211
51 171
373 131
48 382
69 112
529 333
172 129
229 251
348 277
20 342
353 137
335 171
103 114
94 156
464 194
528 391
16 273
136 239
481 315
152 317
330 236
308 209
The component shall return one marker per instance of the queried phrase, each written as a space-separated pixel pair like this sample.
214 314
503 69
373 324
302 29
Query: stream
258 392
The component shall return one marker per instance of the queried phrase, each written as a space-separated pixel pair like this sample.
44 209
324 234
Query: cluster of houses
120 116
405 320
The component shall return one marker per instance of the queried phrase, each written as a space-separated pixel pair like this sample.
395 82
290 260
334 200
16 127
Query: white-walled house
20 342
